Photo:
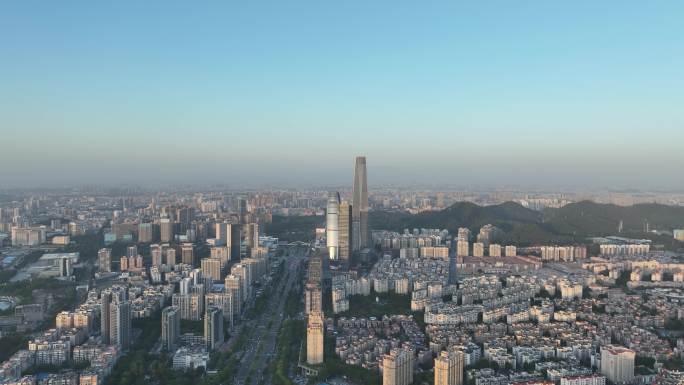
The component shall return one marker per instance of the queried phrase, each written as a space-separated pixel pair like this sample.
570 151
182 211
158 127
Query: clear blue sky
543 92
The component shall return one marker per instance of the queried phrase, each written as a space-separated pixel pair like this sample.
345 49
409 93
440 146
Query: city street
260 349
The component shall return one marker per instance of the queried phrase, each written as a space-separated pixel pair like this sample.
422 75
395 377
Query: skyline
496 94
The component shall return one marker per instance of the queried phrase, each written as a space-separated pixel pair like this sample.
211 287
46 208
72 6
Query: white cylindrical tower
332 226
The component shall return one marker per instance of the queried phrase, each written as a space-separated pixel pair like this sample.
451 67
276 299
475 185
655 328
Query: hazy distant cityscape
282 286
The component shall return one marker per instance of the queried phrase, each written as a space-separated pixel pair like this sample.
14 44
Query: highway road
260 349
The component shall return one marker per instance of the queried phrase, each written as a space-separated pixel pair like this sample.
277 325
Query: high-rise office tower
617 363
213 328
251 235
314 339
104 258
360 232
344 229
120 323
170 327
449 368
145 233
332 225
166 229
212 268
397 367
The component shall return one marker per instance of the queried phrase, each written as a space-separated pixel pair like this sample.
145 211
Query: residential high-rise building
166 230
212 268
233 285
360 233
120 323
105 299
332 230
188 253
65 269
213 328
170 256
251 236
191 305
104 258
242 209
313 298
449 368
617 363
170 327
494 250
315 269
463 234
478 249
223 301
397 367
222 253
344 230
131 251
511 251
157 254
314 338
462 248
145 232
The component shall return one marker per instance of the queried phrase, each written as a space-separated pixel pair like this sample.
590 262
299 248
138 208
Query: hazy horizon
533 93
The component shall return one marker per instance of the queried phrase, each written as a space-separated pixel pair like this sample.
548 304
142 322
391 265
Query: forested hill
571 223
522 226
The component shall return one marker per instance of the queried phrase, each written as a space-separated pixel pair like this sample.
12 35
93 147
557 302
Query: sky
480 92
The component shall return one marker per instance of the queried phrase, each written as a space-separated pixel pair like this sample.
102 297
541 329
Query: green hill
571 223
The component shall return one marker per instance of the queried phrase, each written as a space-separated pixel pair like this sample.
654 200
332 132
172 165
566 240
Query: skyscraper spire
360 205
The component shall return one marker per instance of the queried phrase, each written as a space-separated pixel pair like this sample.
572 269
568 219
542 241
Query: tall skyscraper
314 338
104 257
65 269
131 251
449 368
360 232
213 328
344 229
617 363
332 225
170 327
120 322
156 252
